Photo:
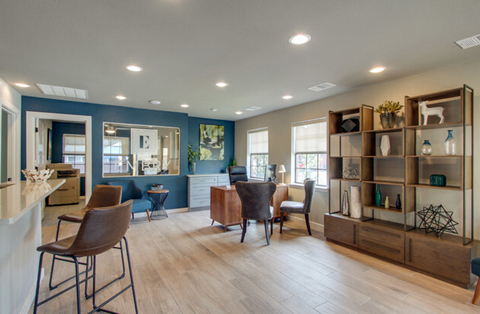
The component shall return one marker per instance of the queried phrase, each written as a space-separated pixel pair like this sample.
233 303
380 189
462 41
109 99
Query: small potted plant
193 155
388 111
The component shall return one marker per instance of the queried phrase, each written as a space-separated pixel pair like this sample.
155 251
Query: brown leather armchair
255 198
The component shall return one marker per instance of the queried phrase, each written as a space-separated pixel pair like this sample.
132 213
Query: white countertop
18 198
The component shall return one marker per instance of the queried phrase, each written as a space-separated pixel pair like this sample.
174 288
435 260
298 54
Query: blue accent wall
189 127
58 129
213 166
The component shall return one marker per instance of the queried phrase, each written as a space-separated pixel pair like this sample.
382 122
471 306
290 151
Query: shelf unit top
457 92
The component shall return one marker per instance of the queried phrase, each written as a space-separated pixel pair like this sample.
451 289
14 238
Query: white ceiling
186 46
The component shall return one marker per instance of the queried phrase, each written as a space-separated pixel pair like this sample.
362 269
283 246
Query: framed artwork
144 141
49 144
212 145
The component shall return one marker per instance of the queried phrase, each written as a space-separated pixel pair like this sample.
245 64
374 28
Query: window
310 145
74 151
258 153
115 154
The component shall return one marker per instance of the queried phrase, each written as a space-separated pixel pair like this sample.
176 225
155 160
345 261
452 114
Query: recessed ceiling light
377 70
184 105
120 97
287 97
238 112
299 39
22 85
155 102
134 68
213 109
221 84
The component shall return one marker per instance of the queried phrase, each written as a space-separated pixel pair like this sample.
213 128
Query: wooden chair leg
148 215
476 295
281 221
265 222
307 221
212 222
244 230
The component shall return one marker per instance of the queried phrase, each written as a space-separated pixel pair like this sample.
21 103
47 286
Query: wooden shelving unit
406 172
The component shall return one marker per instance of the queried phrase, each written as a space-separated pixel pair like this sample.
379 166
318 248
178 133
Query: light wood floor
183 265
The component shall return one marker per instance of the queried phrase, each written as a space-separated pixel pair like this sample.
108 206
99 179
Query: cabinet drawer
383 249
382 235
341 230
199 201
223 181
203 190
203 181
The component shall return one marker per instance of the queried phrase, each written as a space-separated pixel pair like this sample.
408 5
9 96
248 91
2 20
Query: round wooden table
158 198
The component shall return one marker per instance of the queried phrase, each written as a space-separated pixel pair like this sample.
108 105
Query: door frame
13 141
30 147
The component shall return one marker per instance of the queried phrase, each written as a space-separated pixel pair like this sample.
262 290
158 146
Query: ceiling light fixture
184 105
155 102
377 70
213 109
110 129
22 85
287 97
238 112
120 97
134 68
299 39
221 84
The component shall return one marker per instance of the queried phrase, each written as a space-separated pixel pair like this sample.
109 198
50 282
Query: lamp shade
282 169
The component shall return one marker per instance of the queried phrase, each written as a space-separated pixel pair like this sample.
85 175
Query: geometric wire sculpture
436 219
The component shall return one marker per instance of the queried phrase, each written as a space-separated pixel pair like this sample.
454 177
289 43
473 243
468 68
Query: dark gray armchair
300 207
237 173
255 198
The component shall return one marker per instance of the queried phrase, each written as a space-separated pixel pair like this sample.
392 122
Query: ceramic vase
387 203
378 197
426 148
398 203
193 166
385 145
345 207
355 203
387 120
450 145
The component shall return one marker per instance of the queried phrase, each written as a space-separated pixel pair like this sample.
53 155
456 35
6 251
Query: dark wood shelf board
428 186
384 182
384 130
390 209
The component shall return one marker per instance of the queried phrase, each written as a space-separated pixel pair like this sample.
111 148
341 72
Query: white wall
280 136
11 100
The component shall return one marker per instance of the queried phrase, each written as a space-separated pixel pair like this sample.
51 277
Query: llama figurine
435 111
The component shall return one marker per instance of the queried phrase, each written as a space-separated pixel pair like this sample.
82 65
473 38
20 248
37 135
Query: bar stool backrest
105 195
101 229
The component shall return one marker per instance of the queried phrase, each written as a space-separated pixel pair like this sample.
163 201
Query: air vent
253 108
62 91
320 87
469 42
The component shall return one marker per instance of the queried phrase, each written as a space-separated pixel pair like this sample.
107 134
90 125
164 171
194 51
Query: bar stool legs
93 277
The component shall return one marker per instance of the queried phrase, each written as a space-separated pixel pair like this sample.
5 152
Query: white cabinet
199 188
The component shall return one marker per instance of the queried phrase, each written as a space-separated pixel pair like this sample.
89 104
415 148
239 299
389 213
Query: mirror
140 150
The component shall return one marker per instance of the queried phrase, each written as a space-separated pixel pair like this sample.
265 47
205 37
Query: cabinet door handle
354 234
409 248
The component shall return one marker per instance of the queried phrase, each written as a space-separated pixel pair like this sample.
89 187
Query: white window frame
263 153
321 168
124 157
74 153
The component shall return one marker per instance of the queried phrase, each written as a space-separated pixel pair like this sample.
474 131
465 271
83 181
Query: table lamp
282 171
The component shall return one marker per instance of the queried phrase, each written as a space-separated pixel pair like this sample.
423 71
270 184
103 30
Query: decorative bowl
37 176
157 186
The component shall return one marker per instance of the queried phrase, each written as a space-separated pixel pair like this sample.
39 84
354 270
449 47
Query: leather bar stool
102 196
101 229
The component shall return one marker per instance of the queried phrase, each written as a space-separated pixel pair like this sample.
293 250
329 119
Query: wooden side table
158 198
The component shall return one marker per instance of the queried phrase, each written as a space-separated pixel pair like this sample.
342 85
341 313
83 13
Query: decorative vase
355 202
426 148
378 197
345 207
450 145
387 120
193 166
385 145
398 203
387 202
